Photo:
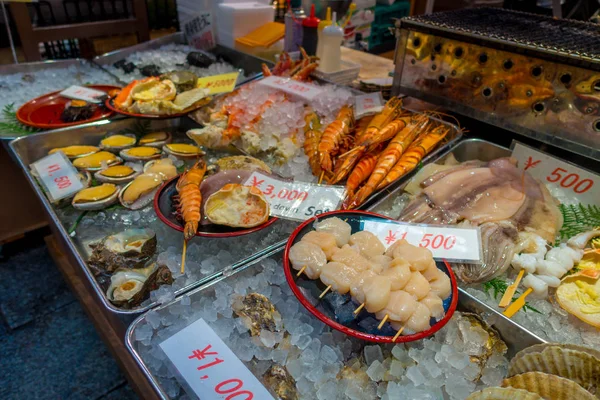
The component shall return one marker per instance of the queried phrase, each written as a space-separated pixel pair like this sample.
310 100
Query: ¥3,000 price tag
199 31
367 104
297 200
452 244
57 175
223 83
83 93
570 180
296 88
209 367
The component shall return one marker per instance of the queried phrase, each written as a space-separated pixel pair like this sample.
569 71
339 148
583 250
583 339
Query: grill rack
573 42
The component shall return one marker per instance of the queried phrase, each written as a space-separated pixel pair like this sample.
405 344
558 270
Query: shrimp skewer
190 198
312 137
333 137
361 172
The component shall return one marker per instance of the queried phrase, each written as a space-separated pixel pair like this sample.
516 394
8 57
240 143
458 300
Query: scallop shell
550 387
579 366
538 348
114 148
238 206
99 204
504 393
144 199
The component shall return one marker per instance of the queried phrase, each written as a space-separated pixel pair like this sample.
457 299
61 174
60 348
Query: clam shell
504 393
550 387
157 143
116 149
142 201
229 206
175 153
579 366
100 204
101 178
126 156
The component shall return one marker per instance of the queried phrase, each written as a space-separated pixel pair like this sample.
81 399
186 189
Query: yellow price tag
224 83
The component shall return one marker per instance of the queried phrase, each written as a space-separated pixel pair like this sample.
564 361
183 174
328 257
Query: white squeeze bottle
332 38
322 25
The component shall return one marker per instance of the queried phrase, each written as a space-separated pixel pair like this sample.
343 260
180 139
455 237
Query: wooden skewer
321 177
325 291
301 271
359 308
510 291
348 152
397 335
383 321
183 256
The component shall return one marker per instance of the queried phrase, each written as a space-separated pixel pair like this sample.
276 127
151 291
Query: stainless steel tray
40 65
249 64
31 148
515 338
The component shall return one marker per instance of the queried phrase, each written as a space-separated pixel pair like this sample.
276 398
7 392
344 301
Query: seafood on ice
402 284
498 197
129 287
237 206
131 248
190 198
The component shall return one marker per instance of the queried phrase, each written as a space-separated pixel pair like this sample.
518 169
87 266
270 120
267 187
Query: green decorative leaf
578 218
10 125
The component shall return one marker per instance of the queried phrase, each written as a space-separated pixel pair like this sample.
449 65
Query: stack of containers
238 18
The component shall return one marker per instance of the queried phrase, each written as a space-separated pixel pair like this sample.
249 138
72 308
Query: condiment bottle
293 26
332 39
322 25
310 26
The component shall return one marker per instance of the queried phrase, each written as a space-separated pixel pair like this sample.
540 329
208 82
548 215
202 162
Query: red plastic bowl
354 218
163 206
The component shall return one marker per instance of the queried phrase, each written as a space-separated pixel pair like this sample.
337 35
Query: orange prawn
362 171
311 143
190 198
333 137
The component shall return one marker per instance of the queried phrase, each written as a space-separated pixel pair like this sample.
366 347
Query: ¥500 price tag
297 200
296 88
209 367
569 180
57 175
452 244
223 83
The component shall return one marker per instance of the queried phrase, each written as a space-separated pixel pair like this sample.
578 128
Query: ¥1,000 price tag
295 88
452 244
57 175
367 104
83 93
565 178
297 200
209 367
223 83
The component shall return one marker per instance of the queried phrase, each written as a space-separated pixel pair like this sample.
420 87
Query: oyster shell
579 295
257 313
154 89
117 174
131 248
155 139
96 161
128 288
191 99
504 393
96 198
140 191
237 206
280 383
242 162
579 366
116 143
76 151
549 387
183 150
143 153
183 80
163 168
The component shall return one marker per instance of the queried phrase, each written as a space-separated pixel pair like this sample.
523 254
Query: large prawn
312 137
333 137
190 198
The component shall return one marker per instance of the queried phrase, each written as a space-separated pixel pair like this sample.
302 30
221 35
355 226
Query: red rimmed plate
110 105
336 310
44 111
164 208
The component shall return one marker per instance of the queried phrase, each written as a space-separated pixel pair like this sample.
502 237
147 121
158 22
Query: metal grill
574 40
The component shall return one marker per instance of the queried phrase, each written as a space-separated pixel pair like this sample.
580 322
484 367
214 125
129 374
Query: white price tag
452 244
303 90
83 93
564 179
367 104
297 200
199 31
57 175
209 367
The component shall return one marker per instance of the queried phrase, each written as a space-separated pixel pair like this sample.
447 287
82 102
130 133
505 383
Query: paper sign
565 180
368 104
452 244
199 31
297 200
223 83
296 88
57 175
83 93
209 367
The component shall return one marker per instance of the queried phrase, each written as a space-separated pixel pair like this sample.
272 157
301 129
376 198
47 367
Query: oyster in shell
118 142
236 205
139 192
504 393
143 153
96 198
280 383
131 248
76 151
549 387
155 139
128 288
257 313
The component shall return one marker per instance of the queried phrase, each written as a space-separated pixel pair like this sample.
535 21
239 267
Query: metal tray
40 65
515 338
249 64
